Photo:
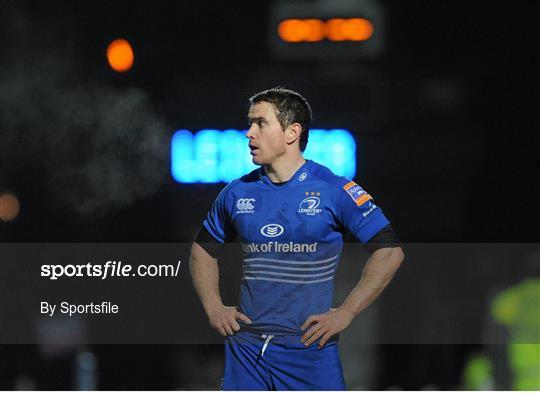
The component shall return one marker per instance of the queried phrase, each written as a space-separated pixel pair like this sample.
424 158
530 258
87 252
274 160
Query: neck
282 170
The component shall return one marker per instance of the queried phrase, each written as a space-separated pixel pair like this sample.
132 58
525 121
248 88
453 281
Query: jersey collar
300 175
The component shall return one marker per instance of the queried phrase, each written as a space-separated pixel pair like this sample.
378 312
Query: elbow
393 256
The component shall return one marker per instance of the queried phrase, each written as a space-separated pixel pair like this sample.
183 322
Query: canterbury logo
245 204
272 230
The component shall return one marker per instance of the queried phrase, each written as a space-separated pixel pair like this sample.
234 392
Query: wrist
210 308
347 311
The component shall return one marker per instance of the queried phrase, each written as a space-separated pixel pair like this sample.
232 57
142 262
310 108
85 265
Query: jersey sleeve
218 220
358 213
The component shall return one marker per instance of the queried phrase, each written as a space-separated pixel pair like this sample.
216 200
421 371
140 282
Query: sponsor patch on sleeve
357 193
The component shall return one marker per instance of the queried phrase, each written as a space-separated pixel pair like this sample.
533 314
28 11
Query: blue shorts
266 362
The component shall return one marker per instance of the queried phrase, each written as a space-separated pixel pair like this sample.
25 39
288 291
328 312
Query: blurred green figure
478 374
518 309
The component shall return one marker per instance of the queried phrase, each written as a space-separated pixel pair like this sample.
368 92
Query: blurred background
438 99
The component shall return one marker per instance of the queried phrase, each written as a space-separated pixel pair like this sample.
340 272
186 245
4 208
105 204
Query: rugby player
290 215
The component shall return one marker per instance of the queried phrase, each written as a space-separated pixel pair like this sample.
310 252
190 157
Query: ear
293 133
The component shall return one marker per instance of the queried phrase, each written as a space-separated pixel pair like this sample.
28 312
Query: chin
257 161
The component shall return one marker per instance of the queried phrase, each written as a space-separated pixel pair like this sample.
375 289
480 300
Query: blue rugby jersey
292 237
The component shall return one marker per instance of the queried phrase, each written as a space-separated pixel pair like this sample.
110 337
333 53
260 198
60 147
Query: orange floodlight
120 55
357 29
9 207
335 29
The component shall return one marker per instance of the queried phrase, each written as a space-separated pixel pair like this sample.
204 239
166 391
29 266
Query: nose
251 131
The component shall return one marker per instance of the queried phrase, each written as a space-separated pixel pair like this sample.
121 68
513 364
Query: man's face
267 140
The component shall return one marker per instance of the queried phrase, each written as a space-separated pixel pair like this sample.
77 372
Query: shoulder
344 188
251 177
324 174
241 183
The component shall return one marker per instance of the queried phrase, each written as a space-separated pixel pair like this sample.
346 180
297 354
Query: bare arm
381 267
205 275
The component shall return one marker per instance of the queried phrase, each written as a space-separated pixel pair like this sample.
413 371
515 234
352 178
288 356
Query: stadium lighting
335 29
120 55
326 30
9 207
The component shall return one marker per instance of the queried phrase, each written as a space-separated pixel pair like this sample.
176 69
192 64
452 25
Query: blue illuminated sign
212 156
